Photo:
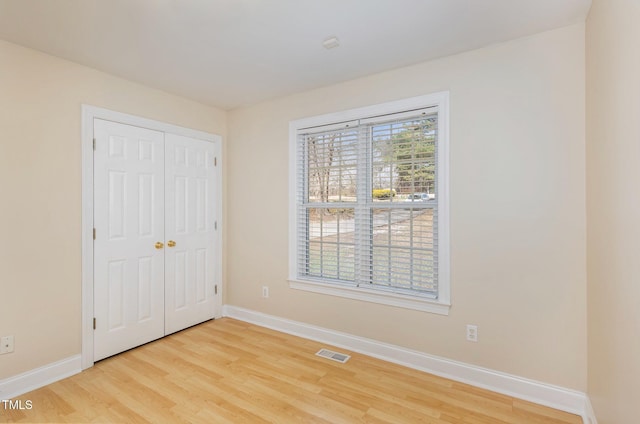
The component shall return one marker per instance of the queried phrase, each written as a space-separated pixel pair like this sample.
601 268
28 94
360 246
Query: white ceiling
230 53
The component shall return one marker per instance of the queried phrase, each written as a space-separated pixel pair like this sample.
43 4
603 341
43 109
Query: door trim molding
89 113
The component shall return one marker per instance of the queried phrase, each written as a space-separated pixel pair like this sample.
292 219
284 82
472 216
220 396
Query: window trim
440 305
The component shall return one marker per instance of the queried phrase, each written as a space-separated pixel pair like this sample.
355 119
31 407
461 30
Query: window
369 204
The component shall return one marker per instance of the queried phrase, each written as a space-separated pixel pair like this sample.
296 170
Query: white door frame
88 115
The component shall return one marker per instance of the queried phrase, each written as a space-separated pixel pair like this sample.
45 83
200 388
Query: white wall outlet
265 291
6 344
472 333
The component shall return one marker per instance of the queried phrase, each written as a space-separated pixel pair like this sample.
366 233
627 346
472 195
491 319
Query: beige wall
518 230
517 209
40 181
613 209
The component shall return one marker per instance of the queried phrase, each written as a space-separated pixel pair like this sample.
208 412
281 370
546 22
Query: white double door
155 230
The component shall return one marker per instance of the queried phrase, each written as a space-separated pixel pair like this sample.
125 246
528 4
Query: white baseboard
589 416
39 377
560 398
544 394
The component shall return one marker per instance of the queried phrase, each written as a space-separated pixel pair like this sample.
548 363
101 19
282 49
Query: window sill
374 296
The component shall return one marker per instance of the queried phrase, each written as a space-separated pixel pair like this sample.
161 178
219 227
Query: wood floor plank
228 371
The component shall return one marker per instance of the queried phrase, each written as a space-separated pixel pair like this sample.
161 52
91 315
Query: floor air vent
334 356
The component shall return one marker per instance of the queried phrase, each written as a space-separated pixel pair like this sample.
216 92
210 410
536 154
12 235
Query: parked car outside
420 197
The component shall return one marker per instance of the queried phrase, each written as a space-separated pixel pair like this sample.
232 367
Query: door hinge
215 161
94 144
94 233
215 289
94 323
215 225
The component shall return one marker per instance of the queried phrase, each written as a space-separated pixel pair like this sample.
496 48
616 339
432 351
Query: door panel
129 220
189 222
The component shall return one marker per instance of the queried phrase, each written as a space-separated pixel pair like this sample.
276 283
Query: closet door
189 231
129 237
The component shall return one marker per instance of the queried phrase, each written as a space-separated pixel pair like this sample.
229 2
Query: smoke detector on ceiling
330 43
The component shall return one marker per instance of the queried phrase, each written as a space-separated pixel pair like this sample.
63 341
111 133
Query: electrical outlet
6 344
265 291
472 333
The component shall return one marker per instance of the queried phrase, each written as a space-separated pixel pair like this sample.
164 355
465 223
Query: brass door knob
159 245
171 243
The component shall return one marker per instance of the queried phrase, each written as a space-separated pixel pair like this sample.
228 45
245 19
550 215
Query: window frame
442 303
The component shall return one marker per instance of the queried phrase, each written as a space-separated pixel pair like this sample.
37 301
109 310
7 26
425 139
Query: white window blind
367 203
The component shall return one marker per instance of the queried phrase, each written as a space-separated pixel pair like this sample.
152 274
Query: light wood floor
227 371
